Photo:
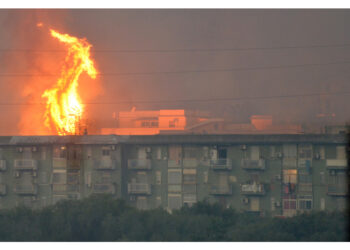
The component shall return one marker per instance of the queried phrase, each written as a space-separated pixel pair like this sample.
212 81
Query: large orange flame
64 108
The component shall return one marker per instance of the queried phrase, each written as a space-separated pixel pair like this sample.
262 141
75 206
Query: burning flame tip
64 108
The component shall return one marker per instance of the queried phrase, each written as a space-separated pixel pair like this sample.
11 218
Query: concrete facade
276 174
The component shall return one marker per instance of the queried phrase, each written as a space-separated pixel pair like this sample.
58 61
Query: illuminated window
60 152
290 176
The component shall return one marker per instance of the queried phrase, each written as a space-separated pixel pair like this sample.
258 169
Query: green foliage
102 218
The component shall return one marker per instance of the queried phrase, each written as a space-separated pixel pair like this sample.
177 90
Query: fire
64 107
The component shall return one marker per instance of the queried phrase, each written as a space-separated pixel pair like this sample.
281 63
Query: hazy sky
191 43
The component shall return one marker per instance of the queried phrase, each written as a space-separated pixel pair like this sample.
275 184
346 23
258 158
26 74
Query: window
255 153
174 177
141 202
222 153
289 151
305 151
158 177
305 204
289 204
105 152
60 152
174 201
290 176
305 178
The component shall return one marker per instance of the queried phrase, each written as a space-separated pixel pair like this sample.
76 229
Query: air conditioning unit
34 174
20 149
243 147
34 149
277 204
17 174
245 200
279 155
148 149
113 147
215 147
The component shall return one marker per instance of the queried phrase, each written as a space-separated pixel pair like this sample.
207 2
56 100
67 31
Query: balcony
174 164
337 164
3 189
103 189
139 164
249 164
26 189
189 162
221 164
337 190
59 163
2 165
104 164
252 189
59 188
221 190
26 164
139 188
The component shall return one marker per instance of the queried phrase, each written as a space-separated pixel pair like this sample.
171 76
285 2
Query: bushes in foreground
102 218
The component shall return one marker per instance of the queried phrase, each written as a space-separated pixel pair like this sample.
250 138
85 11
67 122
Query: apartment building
275 174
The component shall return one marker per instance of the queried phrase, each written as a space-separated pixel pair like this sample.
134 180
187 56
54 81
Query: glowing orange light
39 25
63 106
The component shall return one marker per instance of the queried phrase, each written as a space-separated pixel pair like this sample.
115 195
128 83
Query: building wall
258 177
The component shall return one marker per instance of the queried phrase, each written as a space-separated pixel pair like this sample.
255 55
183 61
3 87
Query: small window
105 152
222 153
60 152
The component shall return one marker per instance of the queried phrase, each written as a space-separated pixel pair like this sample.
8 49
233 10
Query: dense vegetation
102 218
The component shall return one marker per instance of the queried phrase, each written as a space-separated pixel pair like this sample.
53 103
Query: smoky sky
163 59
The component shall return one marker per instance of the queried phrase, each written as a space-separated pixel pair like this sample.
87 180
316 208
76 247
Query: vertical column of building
139 175
174 180
102 170
336 179
59 172
220 166
289 180
253 188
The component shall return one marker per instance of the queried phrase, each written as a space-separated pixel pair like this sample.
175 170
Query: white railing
139 164
221 164
139 188
253 164
26 164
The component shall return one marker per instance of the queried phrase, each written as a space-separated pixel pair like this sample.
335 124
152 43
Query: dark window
222 153
105 152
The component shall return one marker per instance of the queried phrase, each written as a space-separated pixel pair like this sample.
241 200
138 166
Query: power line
183 50
198 100
192 71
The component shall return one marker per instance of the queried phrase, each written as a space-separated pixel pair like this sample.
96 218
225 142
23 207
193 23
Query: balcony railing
337 164
104 164
139 164
253 164
337 190
189 162
3 189
174 164
2 165
139 188
221 190
25 164
59 163
103 189
252 189
221 164
26 189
